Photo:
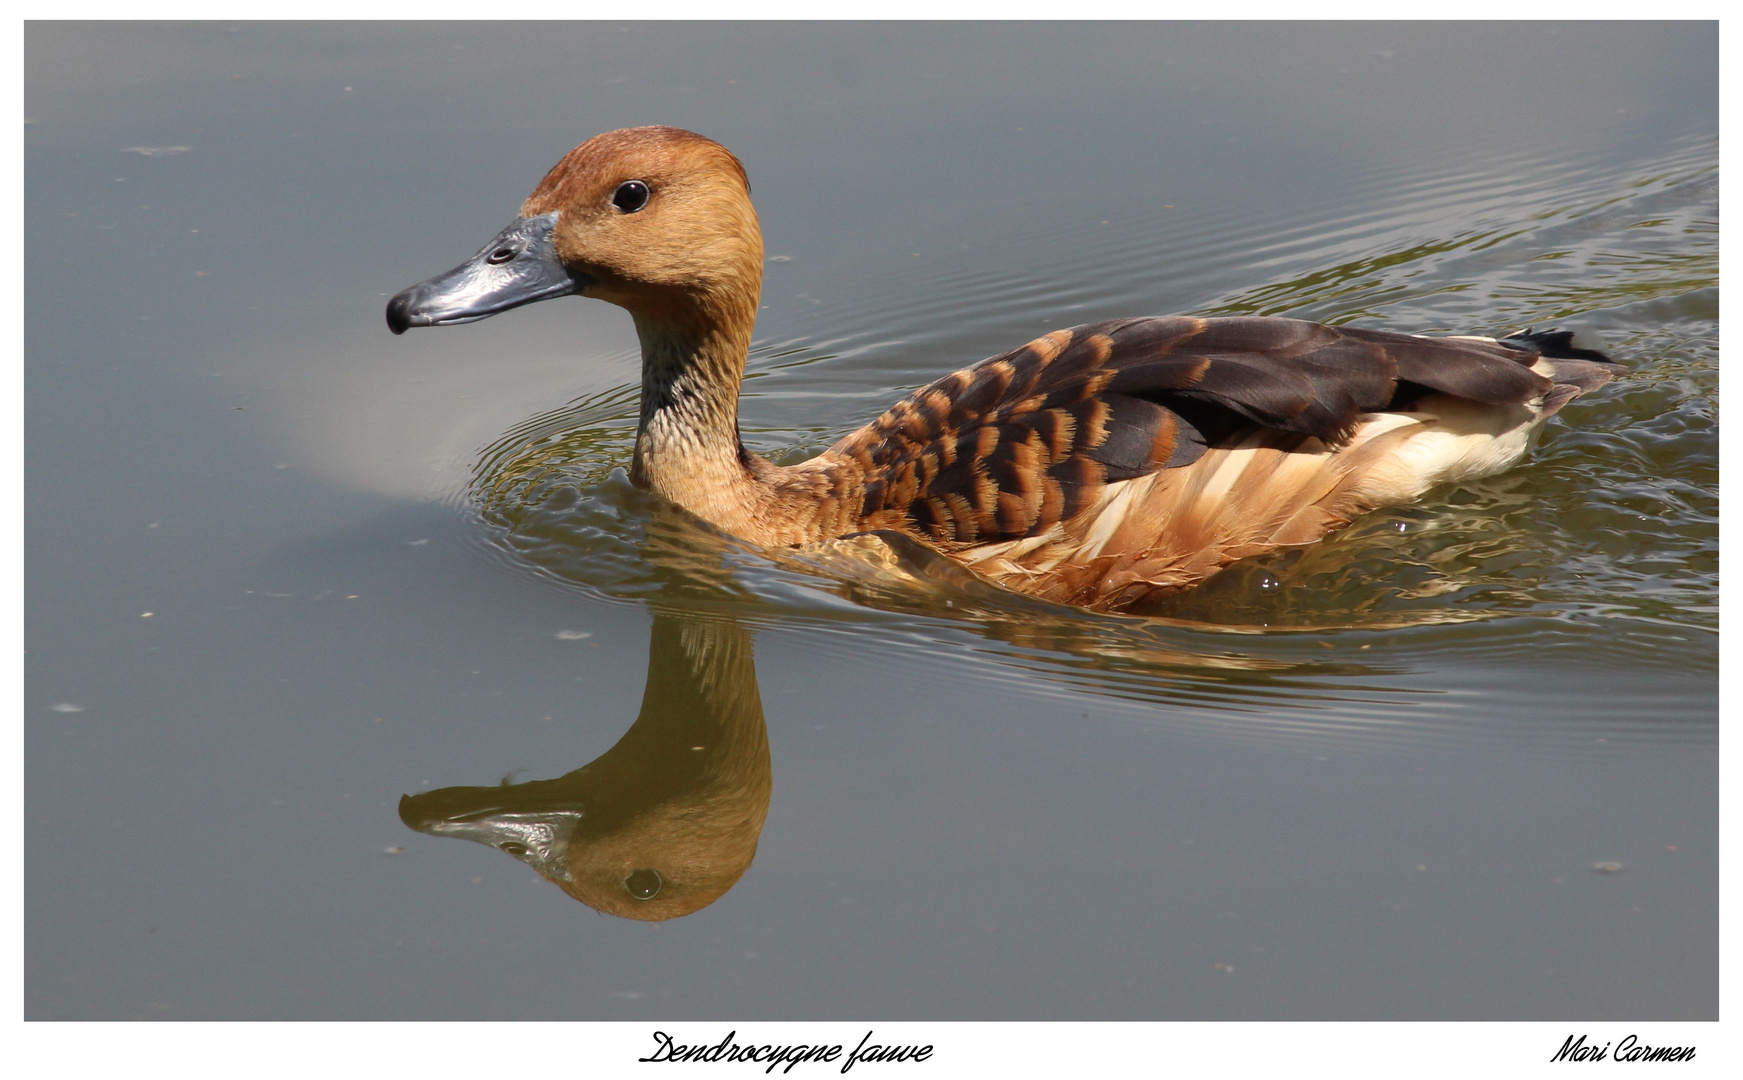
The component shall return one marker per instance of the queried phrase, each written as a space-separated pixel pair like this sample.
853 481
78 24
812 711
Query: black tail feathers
1555 345
1575 371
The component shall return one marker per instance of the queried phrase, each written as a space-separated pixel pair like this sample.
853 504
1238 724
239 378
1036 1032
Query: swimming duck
1103 466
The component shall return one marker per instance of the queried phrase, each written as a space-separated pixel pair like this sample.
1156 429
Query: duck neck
687 448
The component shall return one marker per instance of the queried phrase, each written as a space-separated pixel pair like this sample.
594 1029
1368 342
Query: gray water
283 568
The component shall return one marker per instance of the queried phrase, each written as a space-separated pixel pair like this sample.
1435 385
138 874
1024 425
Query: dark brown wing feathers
1013 445
1476 370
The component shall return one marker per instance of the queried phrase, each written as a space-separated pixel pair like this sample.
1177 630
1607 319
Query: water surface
284 569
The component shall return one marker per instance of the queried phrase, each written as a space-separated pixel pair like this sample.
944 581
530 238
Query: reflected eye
517 850
643 884
630 196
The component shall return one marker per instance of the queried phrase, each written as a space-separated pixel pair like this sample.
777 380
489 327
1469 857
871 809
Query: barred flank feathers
1019 443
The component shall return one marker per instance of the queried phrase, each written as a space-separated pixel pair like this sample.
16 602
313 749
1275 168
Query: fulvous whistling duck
1103 466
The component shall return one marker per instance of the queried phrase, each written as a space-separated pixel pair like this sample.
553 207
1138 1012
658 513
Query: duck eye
502 255
643 884
517 850
630 196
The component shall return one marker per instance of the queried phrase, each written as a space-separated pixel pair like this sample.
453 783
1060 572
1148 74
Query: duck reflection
667 820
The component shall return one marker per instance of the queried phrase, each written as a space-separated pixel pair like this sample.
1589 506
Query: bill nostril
518 266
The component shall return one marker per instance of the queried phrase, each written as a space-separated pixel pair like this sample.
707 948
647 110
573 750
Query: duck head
654 219
667 820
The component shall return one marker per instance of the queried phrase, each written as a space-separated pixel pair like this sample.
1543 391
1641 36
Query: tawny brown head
667 820
673 858
646 213
655 219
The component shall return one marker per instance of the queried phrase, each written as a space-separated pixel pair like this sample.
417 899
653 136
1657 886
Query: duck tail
1574 370
1555 344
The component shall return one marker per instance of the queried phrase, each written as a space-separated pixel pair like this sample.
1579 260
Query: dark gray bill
519 267
541 840
533 822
